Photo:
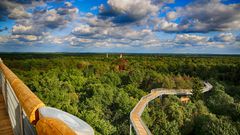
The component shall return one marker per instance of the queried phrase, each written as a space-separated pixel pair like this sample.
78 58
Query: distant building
107 55
121 64
121 55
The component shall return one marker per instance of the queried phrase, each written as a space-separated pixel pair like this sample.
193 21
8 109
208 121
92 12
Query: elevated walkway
135 115
23 113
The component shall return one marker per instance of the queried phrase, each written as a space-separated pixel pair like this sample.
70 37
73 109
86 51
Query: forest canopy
103 91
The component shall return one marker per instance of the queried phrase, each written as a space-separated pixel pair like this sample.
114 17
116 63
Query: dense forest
103 90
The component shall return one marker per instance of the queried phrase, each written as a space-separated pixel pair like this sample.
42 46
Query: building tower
121 55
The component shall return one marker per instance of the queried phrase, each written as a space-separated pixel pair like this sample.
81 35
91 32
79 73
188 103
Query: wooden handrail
53 126
37 113
27 99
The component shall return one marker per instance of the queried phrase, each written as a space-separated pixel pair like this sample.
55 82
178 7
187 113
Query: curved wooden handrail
53 126
27 99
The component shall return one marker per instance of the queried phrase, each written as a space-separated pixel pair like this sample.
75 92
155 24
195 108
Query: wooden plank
5 125
6 132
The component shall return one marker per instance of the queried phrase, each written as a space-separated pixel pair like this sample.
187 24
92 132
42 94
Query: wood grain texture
5 125
52 126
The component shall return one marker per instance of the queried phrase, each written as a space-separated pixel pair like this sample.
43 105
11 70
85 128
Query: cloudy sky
138 26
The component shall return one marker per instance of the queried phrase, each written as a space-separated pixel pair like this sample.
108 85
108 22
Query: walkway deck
5 124
137 111
135 115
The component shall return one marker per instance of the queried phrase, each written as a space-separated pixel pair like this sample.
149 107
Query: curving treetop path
135 115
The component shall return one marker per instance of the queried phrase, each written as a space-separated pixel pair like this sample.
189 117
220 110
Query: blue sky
134 26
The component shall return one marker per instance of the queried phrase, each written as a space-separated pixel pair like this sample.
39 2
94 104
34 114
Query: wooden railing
29 115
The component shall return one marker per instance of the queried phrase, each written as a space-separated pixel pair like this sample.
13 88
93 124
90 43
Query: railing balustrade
28 114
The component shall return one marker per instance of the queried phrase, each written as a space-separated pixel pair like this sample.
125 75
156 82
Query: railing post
1 76
6 92
130 131
21 119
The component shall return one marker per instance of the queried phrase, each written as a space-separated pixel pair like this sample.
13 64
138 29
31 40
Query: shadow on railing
29 115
